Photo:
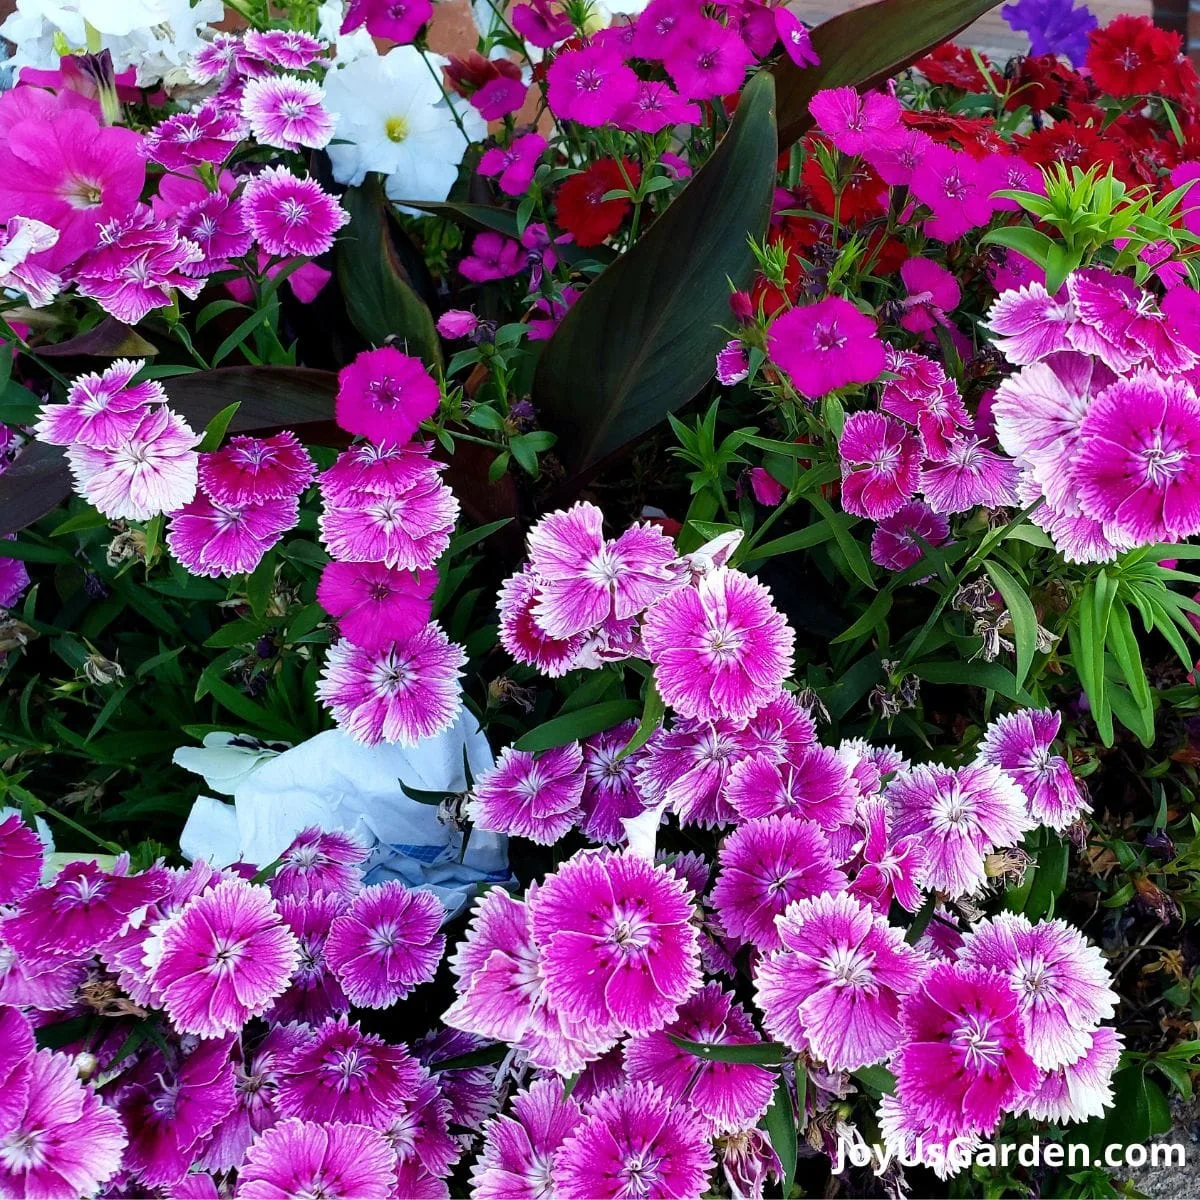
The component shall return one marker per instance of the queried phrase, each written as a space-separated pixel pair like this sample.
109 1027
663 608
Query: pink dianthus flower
375 605
290 216
881 464
825 346
314 1158
287 112
535 796
385 395
248 470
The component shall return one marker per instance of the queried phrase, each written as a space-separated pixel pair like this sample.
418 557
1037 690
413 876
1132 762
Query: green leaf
653 712
1025 241
1024 618
86 518
876 611
866 46
577 725
1049 879
800 539
851 550
1088 635
109 339
379 291
974 674
877 1079
648 327
214 431
780 1124
767 1054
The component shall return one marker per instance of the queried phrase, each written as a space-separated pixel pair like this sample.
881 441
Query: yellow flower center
397 128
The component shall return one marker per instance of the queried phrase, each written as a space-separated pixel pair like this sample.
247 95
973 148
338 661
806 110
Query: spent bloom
23 238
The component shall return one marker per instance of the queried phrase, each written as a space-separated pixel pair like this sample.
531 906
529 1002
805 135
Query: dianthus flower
720 649
291 49
290 216
891 867
1082 1089
1029 324
59 1139
314 993
956 188
968 476
214 221
857 124
583 210
517 1157
688 765
531 796
592 1162
963 1059
825 346
655 107
247 470
1139 458
212 539
384 395
1019 743
960 816
493 256
610 787
208 135
386 943
287 112
221 959
617 944
584 579
1131 56
836 987
514 165
706 59
21 852
314 1158
397 22
375 605
728 1097
905 1134
895 545
523 637
420 1135
881 463
589 85
765 865
1063 984
402 694
334 1072
319 861
814 783
23 238
924 396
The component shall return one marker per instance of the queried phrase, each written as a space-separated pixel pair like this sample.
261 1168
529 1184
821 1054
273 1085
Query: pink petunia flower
592 1162
212 539
79 909
836 987
969 475
729 1097
963 1059
319 861
287 112
584 580
312 1158
618 948
765 865
857 124
60 1139
610 787
589 85
73 174
825 346
375 605
290 216
334 1072
924 396
531 796
895 545
706 59
1139 459
815 783
687 767
209 134
960 816
398 695
1020 743
21 852
385 395
514 164
720 649
1081 1089
956 188
24 238
248 470
493 256
386 943
223 958
502 993
1029 324
1063 983
881 464
517 1157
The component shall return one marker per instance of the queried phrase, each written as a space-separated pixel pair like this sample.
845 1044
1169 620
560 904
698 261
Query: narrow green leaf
851 550
780 1124
87 518
577 725
763 1053
653 712
214 431
974 674
1021 611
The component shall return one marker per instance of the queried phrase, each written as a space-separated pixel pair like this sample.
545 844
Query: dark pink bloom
212 539
956 188
208 135
589 85
815 782
21 852
493 256
1082 1089
398 21
384 395
399 695
766 864
688 765
250 469
73 174
655 107
896 542
594 1161
542 23
375 605
14 579
836 987
733 365
319 861
896 160
315 1158
924 396
826 346
610 788
794 37
891 866
524 638
386 943
969 475
499 97
654 33
706 59
857 125
728 1097
291 49
618 948
215 223
457 323
932 293
964 1058
1030 324
541 328
881 464
314 993
766 488
290 216
531 796
514 164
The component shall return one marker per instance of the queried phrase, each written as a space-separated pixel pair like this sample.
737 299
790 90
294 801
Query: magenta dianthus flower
589 85
857 124
688 765
290 216
610 788
514 165
720 649
207 135
314 993
524 638
103 410
21 852
814 782
385 395
706 59
375 605
836 986
1029 324
881 463
957 189
534 796
825 346
212 539
968 476
895 545
314 1158
319 861
247 470
1082 1089
287 112
923 395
